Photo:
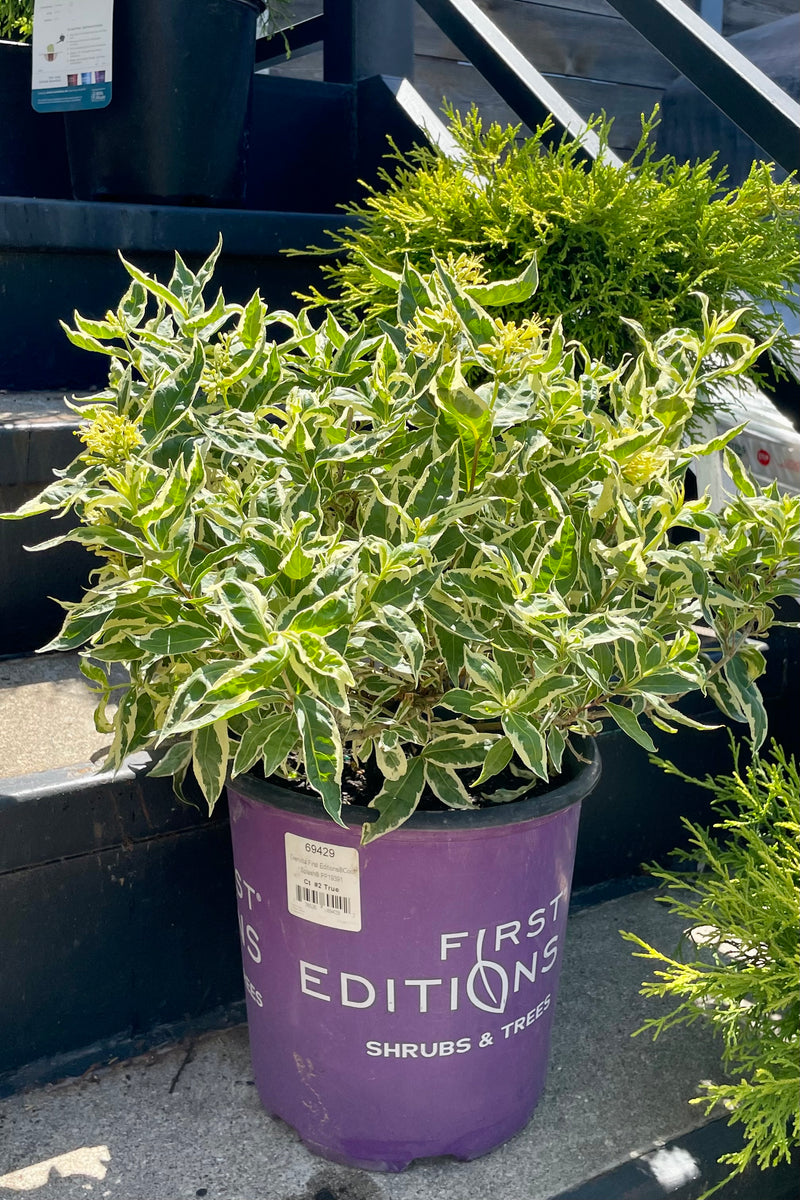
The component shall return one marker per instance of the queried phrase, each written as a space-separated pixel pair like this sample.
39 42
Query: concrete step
46 722
184 1121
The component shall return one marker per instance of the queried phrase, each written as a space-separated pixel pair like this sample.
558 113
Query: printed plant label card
72 54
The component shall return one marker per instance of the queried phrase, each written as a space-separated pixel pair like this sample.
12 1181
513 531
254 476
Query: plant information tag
322 883
72 53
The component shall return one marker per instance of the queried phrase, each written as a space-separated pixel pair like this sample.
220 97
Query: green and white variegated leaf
389 755
131 727
407 634
543 693
449 617
747 698
629 724
556 744
322 752
183 637
458 749
528 741
478 705
322 669
270 739
437 487
396 801
484 674
507 291
210 752
210 695
735 468
444 782
176 759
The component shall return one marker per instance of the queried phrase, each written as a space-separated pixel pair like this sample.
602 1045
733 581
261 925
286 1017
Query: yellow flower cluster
110 438
465 268
429 328
644 466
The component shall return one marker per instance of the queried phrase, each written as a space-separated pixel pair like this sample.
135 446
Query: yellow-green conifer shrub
613 241
743 907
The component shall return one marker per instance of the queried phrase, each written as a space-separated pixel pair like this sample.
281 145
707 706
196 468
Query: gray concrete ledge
46 716
185 1121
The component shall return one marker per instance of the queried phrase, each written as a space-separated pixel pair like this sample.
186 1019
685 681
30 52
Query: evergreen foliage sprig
743 907
16 19
637 240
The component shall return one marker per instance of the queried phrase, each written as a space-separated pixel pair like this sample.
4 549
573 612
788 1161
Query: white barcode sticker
322 883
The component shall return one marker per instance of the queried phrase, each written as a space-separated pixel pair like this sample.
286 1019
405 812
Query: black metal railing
363 37
300 39
740 90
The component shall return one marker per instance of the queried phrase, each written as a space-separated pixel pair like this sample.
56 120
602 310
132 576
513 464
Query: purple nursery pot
400 995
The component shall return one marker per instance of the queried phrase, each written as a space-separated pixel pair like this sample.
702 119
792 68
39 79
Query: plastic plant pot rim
583 781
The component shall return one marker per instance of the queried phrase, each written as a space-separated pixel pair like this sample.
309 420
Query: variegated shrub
440 552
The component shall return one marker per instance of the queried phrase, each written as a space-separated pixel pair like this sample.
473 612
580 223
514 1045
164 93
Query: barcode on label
322 899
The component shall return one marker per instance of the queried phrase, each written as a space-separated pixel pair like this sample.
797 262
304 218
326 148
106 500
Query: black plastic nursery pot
400 994
174 131
33 157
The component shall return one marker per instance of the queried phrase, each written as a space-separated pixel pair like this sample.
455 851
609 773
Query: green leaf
181 638
389 755
748 698
528 741
497 759
484 673
407 634
322 669
176 391
437 487
176 759
322 752
447 786
396 801
507 291
270 739
742 478
479 705
210 749
452 648
629 724
459 750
